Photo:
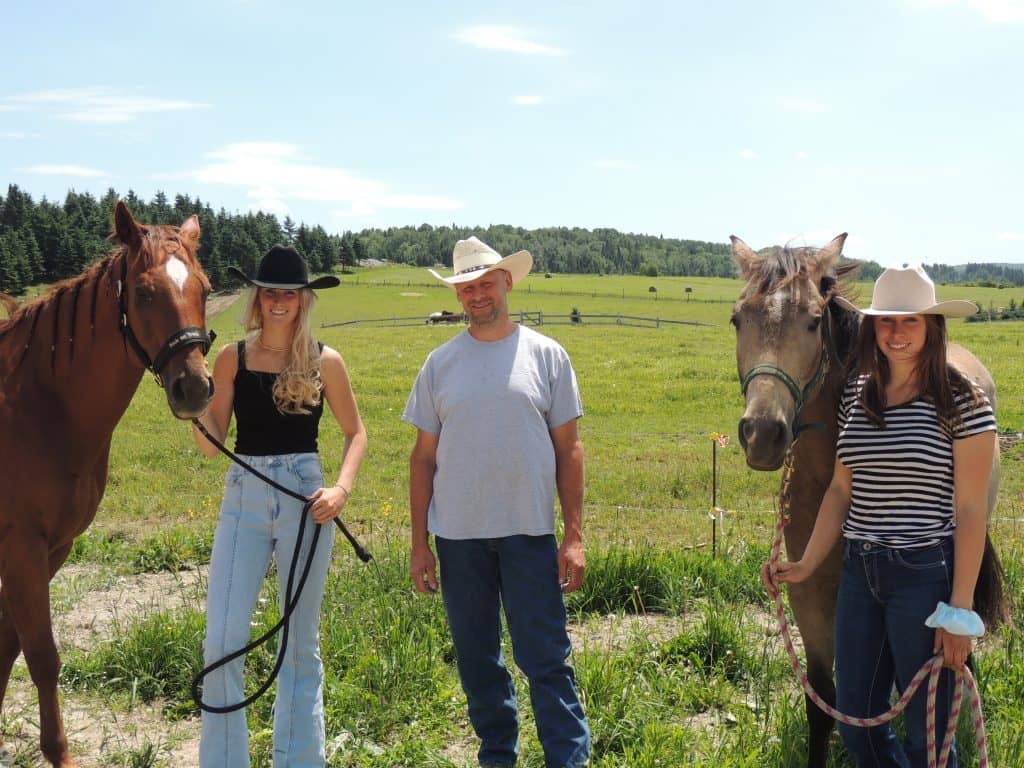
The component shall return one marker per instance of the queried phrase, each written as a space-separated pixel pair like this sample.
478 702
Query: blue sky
898 121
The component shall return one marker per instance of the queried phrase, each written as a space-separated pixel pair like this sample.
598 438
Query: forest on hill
46 241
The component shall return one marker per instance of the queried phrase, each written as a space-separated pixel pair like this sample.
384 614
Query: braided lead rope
929 669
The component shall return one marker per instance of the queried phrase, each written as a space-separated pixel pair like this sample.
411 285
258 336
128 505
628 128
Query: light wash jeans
255 522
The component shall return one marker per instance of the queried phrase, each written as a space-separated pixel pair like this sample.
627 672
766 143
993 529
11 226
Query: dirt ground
97 734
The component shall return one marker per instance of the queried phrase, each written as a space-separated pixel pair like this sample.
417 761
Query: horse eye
815 322
144 293
734 321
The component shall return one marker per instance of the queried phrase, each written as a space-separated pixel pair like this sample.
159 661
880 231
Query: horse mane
42 304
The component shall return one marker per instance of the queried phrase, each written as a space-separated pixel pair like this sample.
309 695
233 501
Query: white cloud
500 38
357 209
66 170
616 165
101 105
801 155
10 135
1012 236
275 173
528 101
748 153
806 106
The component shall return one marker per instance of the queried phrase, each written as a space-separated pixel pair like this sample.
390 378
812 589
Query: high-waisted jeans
256 522
884 597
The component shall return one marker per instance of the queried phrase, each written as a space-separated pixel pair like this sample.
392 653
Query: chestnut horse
69 365
793 352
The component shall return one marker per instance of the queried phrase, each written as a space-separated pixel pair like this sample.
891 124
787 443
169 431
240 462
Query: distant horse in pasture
793 351
69 365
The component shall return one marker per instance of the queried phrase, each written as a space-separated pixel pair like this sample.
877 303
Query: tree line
44 241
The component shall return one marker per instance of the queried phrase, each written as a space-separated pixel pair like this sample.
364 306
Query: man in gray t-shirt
495 410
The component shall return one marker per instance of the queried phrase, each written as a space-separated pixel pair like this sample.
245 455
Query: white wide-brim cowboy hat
908 290
473 258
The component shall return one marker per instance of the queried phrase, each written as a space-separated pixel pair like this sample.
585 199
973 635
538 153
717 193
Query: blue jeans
519 574
881 639
256 522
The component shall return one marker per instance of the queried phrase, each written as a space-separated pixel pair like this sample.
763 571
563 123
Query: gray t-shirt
492 403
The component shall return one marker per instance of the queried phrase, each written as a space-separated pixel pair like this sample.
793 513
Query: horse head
782 346
162 294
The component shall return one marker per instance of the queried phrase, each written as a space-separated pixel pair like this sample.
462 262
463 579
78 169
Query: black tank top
262 429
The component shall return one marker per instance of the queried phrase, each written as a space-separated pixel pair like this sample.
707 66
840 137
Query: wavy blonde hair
298 387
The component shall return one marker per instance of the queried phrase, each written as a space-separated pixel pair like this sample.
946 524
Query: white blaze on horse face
775 305
178 272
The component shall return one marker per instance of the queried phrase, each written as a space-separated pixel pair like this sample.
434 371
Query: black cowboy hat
283 267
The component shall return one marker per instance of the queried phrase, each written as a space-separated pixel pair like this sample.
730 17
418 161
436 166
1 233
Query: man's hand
423 570
571 565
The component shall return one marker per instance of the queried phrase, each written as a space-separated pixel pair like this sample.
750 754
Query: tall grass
716 690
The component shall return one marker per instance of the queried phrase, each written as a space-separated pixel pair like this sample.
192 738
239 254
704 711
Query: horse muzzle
765 440
189 391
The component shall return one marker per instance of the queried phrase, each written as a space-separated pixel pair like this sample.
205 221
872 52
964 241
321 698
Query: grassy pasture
672 652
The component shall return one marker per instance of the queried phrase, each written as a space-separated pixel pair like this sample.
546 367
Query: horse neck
815 450
74 356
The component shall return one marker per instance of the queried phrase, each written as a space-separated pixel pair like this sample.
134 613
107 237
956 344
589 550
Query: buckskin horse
69 365
793 351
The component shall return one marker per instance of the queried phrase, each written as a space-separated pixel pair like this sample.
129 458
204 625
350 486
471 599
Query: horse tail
990 599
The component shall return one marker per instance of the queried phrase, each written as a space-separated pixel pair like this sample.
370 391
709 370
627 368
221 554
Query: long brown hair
939 381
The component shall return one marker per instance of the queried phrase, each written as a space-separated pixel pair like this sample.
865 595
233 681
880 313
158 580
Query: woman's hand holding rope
327 503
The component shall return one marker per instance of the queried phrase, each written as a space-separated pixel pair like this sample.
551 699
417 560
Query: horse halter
183 337
800 396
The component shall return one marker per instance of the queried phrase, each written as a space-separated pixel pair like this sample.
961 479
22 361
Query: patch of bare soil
98 735
615 632
90 618
218 302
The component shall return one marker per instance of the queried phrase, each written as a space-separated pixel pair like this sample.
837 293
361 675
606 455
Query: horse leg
26 580
813 605
9 648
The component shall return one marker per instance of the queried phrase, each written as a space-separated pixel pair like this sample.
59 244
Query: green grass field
697 681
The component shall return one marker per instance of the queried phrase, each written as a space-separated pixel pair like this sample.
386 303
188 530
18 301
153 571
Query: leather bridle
183 337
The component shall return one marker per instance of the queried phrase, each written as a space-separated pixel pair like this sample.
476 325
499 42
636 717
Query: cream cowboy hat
908 290
474 258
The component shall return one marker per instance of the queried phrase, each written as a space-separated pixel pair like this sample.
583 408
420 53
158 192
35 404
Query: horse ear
126 229
827 257
190 230
744 256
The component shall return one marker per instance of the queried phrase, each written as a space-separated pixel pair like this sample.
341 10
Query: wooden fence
524 318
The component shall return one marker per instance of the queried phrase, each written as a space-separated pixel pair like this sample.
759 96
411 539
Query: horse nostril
178 390
745 431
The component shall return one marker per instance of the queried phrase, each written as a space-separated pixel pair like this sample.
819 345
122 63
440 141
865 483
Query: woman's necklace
259 340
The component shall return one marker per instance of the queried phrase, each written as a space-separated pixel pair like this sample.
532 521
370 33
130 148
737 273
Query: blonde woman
275 382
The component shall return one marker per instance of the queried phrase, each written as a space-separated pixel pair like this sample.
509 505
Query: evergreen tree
289 230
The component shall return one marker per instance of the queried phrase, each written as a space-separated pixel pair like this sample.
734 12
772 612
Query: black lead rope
291 600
